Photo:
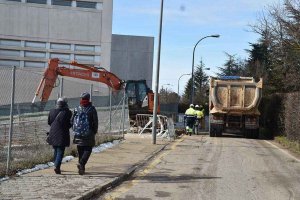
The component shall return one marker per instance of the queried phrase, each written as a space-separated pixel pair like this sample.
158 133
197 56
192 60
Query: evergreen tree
232 67
200 84
280 32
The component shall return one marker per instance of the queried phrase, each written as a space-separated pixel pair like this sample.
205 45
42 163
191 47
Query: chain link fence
29 124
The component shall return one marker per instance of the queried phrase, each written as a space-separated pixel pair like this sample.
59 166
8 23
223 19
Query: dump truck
233 106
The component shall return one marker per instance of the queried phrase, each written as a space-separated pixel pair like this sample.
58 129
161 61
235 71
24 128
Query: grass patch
294 146
29 156
43 155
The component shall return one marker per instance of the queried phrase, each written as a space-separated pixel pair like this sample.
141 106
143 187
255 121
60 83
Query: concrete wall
132 57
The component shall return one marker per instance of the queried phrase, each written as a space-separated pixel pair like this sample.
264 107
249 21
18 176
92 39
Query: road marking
123 189
282 150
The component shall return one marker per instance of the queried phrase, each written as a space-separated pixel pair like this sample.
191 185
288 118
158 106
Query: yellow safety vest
199 114
190 111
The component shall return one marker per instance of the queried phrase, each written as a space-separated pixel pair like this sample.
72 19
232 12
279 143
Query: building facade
132 57
32 31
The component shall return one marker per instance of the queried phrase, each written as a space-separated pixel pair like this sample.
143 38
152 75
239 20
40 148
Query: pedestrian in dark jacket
85 142
59 120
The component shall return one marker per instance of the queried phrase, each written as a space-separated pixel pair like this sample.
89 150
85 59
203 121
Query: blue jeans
58 155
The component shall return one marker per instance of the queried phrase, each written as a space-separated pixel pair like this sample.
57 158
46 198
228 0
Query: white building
32 31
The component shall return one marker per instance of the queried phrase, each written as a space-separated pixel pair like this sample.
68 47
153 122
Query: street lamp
166 84
193 78
179 80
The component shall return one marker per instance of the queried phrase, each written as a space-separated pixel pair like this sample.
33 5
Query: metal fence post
123 113
11 119
110 109
61 88
91 91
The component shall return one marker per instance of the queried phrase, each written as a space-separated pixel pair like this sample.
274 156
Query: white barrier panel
165 125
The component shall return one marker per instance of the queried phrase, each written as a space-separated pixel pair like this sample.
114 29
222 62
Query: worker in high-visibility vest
190 116
200 116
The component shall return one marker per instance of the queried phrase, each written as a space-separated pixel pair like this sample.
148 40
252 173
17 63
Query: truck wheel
219 133
255 133
219 130
245 133
212 132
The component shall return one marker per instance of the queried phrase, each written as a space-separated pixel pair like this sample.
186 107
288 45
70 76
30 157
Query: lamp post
157 75
179 80
193 78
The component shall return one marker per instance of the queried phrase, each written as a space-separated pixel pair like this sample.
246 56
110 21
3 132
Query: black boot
81 169
57 171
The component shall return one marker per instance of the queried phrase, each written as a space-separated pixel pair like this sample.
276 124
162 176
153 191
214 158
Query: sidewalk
103 170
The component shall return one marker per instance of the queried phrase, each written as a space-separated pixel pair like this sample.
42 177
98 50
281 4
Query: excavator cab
140 97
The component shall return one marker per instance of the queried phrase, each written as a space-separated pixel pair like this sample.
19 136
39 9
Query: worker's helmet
197 106
191 105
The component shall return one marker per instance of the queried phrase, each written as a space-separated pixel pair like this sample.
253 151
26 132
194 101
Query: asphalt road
200 167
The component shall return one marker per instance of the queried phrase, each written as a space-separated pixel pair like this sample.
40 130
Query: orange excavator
140 97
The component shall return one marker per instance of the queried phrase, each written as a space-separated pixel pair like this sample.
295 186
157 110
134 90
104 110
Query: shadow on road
175 179
231 135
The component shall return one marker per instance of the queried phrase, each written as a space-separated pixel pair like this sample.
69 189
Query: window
79 47
15 0
62 2
60 46
37 1
97 58
9 63
35 54
60 56
98 49
34 64
84 57
35 44
16 43
86 4
9 52
99 6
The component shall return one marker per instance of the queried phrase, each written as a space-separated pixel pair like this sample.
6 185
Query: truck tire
212 132
216 131
255 133
219 133
245 133
219 130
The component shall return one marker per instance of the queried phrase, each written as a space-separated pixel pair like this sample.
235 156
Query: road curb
98 190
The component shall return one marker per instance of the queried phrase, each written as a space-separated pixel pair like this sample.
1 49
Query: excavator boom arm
88 73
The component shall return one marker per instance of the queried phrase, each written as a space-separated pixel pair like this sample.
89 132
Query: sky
184 23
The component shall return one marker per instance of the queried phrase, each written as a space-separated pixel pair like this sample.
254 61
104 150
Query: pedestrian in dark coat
85 143
59 120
